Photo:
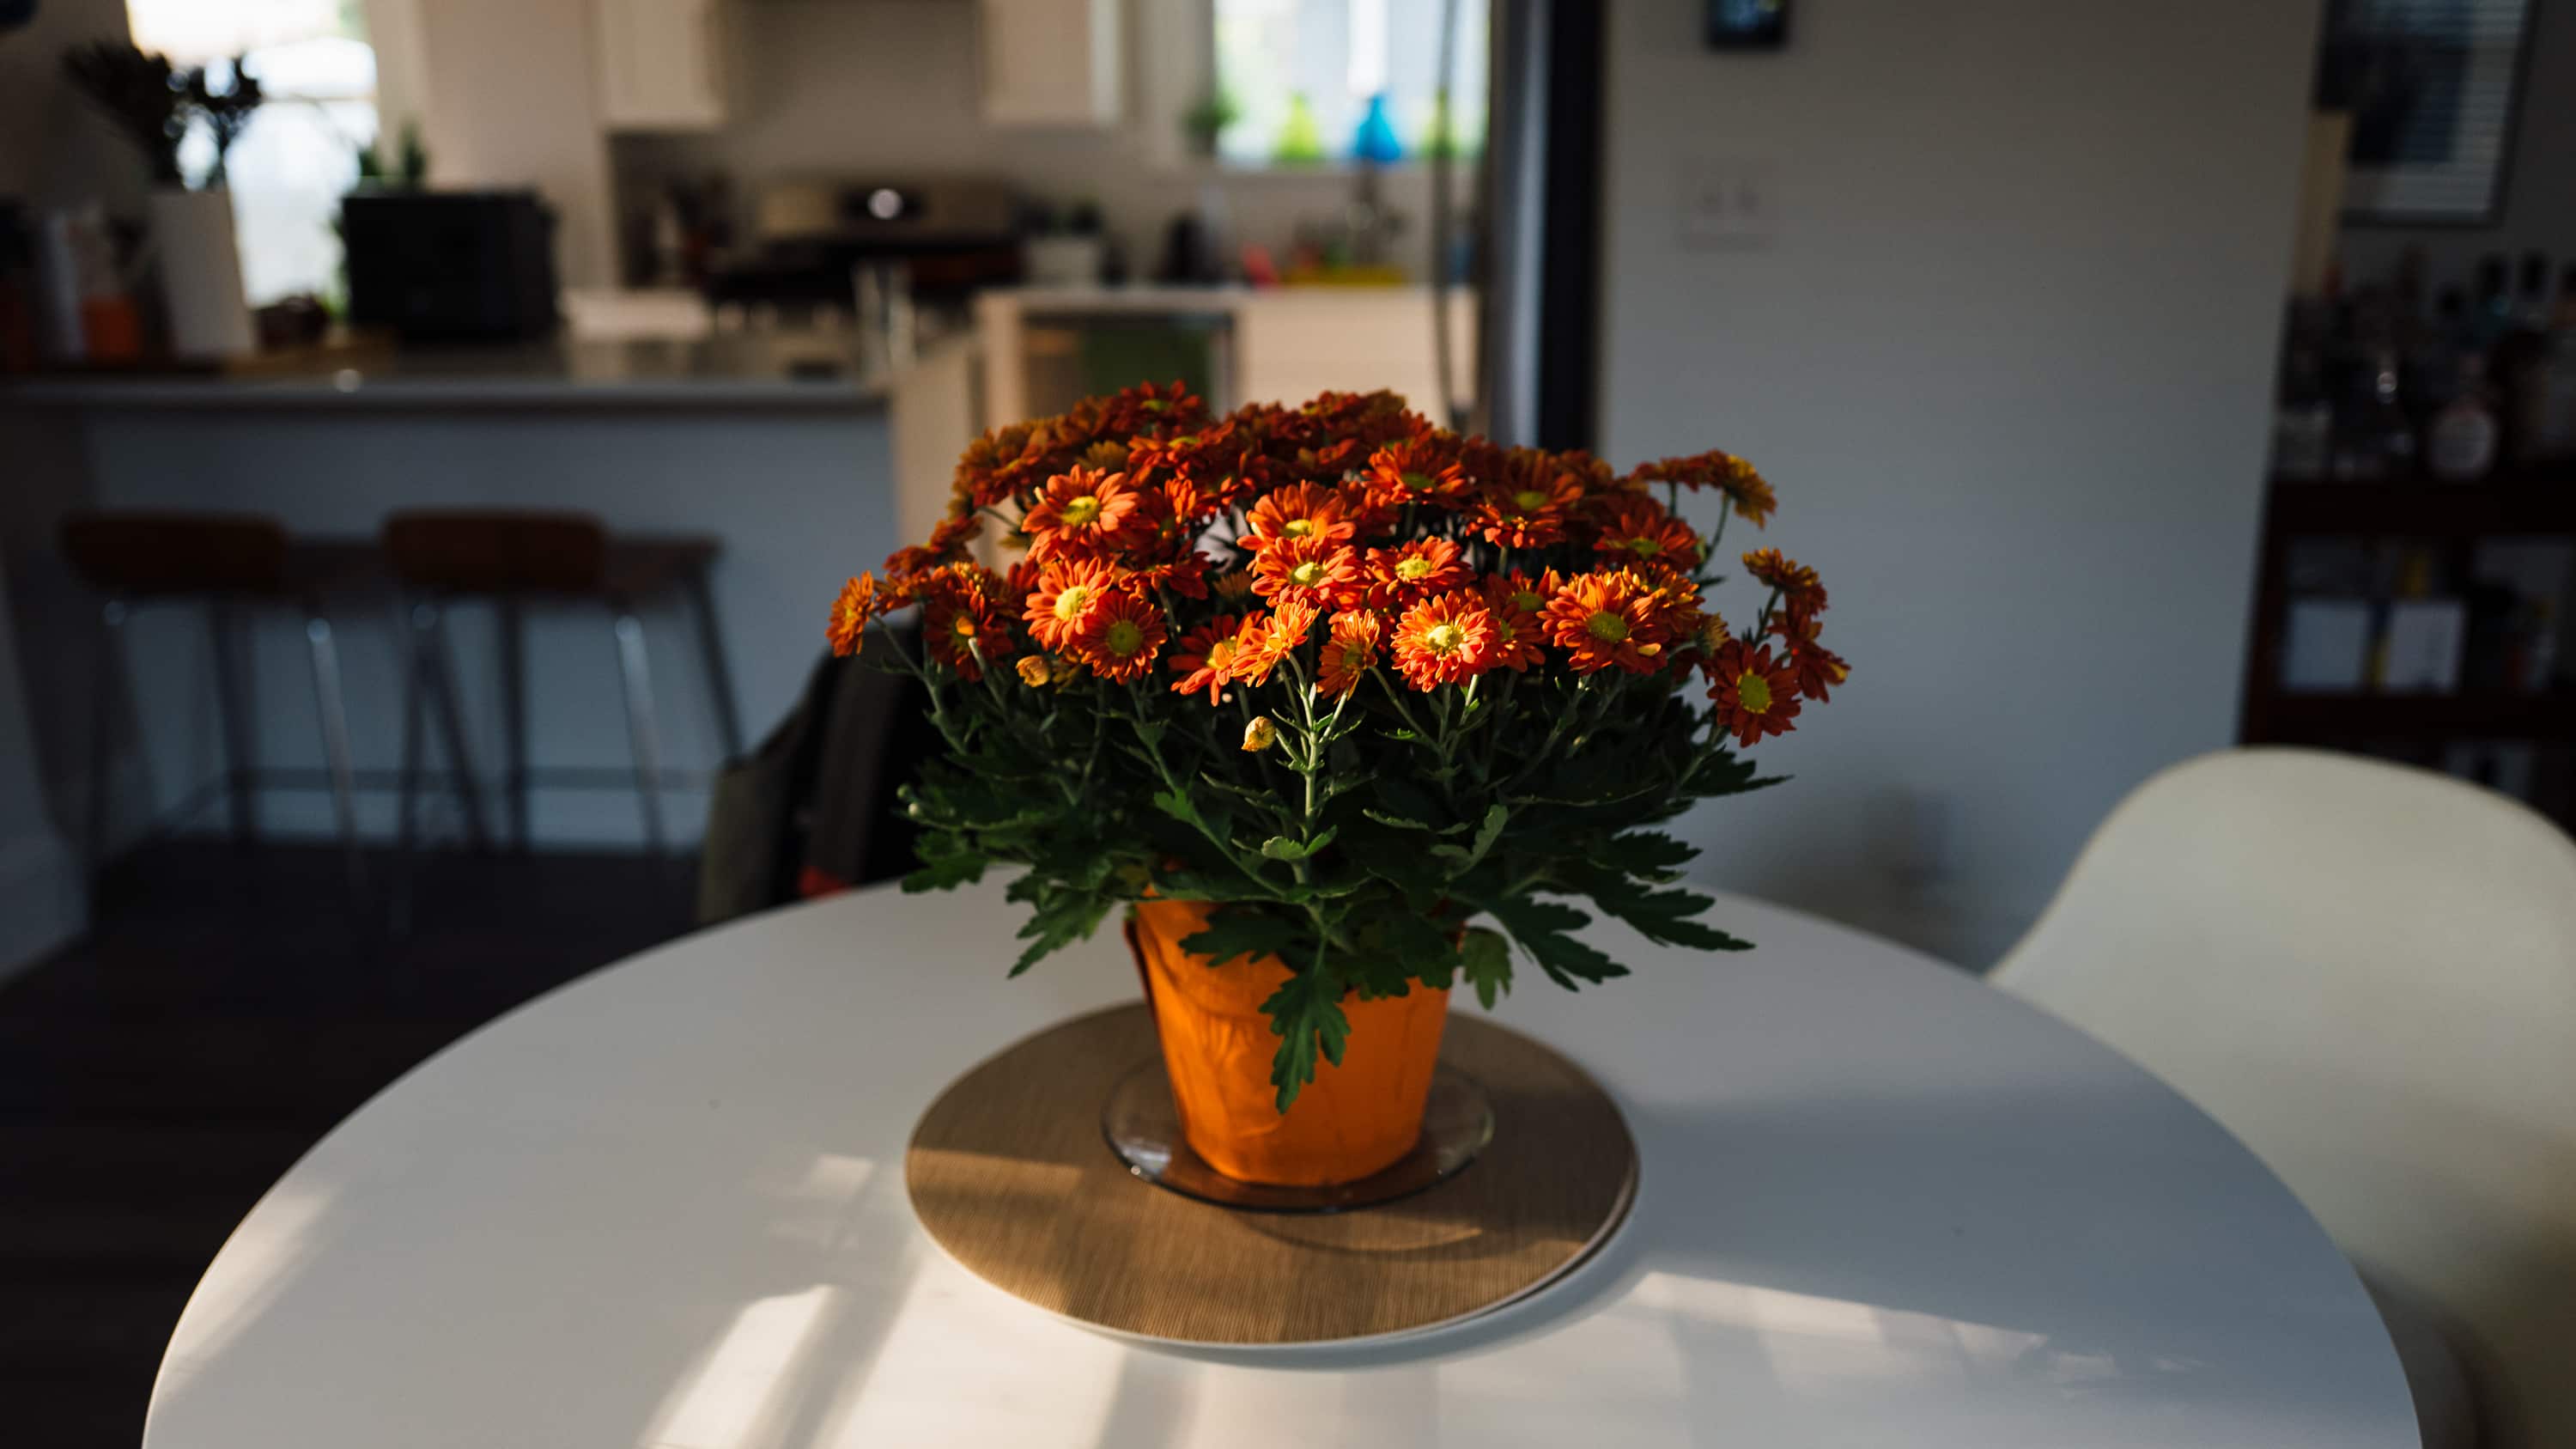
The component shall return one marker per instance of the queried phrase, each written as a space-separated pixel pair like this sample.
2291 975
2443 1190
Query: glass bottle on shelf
2460 445
2379 441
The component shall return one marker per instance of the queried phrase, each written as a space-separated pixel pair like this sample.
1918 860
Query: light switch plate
1728 202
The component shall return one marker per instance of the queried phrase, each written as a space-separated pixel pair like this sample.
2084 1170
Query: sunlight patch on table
735 1398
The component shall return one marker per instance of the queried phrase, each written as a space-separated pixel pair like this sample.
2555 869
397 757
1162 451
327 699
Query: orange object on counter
1352 1120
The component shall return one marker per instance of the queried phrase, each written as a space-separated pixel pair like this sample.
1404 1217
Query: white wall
54 147
2540 187
2008 361
509 99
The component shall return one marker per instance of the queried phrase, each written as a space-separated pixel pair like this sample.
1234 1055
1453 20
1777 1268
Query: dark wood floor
158 1076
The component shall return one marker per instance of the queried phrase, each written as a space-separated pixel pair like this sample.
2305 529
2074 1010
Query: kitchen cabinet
1050 62
1278 345
662 64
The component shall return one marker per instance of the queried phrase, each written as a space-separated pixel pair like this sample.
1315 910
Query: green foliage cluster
1388 837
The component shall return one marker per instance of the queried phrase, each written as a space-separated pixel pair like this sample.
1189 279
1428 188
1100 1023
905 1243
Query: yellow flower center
1122 637
1070 601
1643 546
1081 510
1220 653
1606 626
1753 692
965 626
1529 500
1297 528
1413 568
1444 638
1307 575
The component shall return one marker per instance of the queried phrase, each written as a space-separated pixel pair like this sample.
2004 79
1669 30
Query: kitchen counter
755 370
723 437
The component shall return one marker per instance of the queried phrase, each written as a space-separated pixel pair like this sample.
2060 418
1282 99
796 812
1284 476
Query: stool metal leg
407 642
327 702
439 673
235 711
702 604
514 717
111 656
639 725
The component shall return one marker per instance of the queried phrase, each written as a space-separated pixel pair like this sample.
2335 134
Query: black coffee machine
451 266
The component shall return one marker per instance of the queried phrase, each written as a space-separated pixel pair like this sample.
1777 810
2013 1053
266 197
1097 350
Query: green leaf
1648 853
1401 822
1486 835
1663 917
1306 1012
1486 958
1062 918
944 873
1540 927
1235 934
1280 847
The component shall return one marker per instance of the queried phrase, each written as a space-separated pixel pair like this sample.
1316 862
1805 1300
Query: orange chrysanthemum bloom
1515 603
1300 510
1754 695
1060 605
1800 590
1398 577
947 545
961 619
1644 532
990 470
1348 651
1746 492
1605 619
1121 635
1529 506
1234 588
1309 570
1204 655
1083 513
1819 669
1265 639
1446 639
850 615
1418 470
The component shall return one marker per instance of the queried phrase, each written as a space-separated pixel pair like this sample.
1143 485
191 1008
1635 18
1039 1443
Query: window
290 166
1302 74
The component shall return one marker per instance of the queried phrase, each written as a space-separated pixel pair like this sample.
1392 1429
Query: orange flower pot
1353 1120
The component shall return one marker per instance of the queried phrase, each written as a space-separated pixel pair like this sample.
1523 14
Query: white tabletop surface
1881 1204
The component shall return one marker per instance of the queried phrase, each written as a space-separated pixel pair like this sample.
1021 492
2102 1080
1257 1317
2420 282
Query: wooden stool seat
440 556
223 561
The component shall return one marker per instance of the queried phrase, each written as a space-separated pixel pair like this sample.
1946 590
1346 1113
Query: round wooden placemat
1010 1174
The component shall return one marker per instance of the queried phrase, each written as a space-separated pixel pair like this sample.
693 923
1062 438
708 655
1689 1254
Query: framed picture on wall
2433 88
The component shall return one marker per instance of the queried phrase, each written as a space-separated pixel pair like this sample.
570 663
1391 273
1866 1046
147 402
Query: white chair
2368 973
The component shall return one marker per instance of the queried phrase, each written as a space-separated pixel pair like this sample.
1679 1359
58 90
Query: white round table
1881 1203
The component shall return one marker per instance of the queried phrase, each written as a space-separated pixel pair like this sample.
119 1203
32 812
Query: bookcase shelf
2525 502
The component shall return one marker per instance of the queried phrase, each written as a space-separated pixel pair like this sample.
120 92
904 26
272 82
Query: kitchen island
778 447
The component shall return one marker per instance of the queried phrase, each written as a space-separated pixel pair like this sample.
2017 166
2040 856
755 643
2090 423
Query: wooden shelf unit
2456 517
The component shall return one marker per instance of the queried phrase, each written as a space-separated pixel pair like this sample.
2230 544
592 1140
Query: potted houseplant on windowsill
1341 709
192 228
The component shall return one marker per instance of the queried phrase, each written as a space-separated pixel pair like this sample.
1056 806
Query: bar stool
226 562
513 558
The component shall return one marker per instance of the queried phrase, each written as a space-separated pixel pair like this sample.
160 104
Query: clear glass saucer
1144 1129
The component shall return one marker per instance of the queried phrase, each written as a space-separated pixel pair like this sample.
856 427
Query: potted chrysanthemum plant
1341 708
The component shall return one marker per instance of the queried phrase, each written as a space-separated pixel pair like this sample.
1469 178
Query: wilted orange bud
1260 734
1033 670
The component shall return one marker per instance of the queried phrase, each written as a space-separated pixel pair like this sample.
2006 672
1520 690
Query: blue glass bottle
1376 142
